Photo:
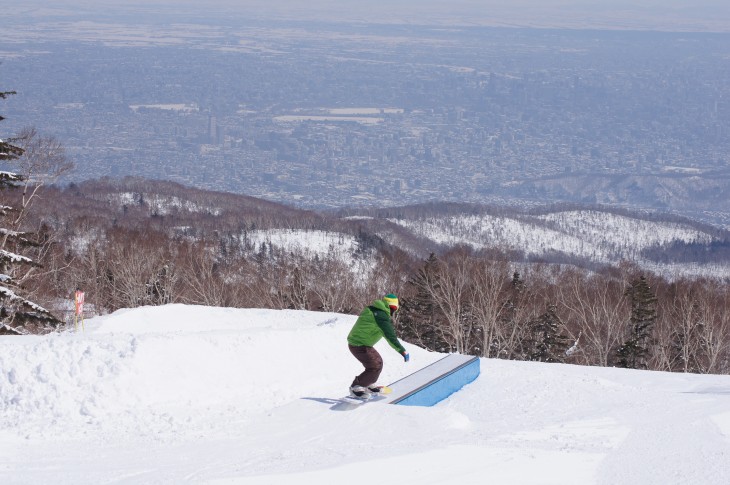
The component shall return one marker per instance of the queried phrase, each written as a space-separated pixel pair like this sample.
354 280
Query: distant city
335 114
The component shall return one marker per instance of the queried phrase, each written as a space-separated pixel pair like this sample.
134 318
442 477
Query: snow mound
213 395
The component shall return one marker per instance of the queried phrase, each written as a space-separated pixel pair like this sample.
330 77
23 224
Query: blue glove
406 356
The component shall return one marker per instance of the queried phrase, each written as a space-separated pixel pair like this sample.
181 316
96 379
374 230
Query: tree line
477 304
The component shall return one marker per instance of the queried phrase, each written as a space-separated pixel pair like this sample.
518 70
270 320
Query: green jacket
373 324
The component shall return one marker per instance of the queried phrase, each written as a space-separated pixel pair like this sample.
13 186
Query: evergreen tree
418 318
512 305
18 315
634 352
158 288
297 294
518 285
548 343
8 151
512 338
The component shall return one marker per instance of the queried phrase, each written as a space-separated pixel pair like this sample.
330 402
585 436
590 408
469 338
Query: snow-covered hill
600 237
180 393
590 237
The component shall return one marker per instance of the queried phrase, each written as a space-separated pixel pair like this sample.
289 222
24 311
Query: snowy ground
193 394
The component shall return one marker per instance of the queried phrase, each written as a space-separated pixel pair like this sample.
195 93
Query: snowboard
370 397
354 401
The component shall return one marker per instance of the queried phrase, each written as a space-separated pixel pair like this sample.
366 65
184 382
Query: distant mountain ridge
587 236
696 194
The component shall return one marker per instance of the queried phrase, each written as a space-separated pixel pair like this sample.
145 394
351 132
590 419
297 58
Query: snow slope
320 244
180 394
601 237
309 243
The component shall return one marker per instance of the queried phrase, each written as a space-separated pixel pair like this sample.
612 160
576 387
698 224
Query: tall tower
212 130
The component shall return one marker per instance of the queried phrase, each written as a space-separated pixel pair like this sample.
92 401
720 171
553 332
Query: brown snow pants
373 362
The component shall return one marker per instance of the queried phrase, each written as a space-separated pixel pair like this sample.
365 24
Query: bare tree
596 307
202 277
521 308
419 320
43 161
87 270
489 296
679 333
335 287
449 292
273 285
694 333
134 260
714 348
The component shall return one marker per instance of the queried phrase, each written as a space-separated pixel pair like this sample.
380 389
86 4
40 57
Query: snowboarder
373 323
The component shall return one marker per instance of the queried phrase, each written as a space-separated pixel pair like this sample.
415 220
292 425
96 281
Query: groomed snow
192 394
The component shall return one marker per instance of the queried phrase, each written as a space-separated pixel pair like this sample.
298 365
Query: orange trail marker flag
79 300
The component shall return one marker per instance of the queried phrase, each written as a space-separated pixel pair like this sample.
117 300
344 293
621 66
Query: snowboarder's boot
359 391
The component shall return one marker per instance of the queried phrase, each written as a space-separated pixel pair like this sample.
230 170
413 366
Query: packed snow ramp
435 382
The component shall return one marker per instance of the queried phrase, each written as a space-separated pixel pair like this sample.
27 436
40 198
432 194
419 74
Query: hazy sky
702 15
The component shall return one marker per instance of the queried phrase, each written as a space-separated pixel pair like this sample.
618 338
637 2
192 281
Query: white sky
697 15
